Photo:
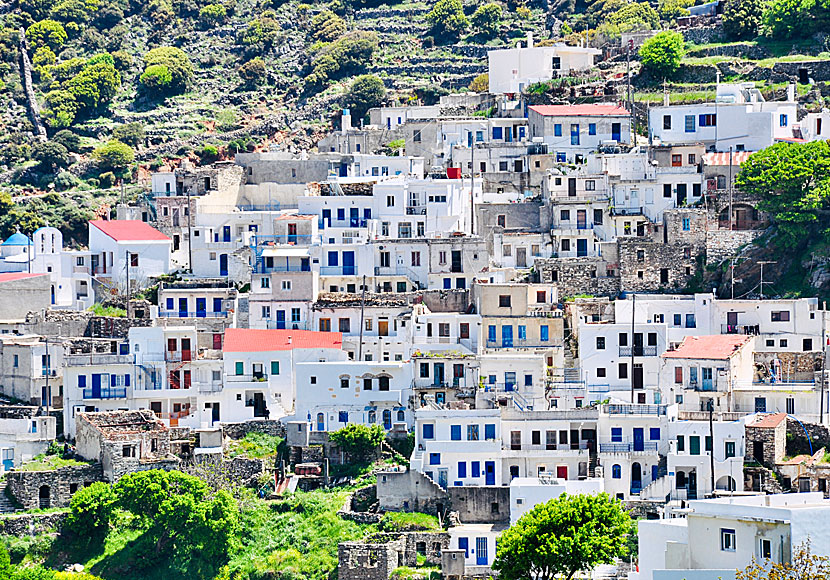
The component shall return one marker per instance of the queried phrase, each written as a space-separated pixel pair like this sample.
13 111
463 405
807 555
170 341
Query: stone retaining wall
30 524
239 430
56 486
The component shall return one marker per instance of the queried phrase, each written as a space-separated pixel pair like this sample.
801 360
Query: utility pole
762 262
730 188
190 233
712 444
633 310
362 306
128 284
824 364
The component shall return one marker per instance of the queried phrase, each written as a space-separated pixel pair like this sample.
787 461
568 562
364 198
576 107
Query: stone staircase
6 505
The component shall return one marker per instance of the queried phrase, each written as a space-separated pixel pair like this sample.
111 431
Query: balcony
237 380
519 343
98 359
416 210
639 351
627 211
338 270
635 409
208 387
110 393
630 447
747 329
80 269
261 241
178 356
283 325
192 314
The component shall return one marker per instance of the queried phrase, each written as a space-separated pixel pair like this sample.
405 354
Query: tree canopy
327 26
742 18
178 66
447 19
562 537
114 155
367 91
357 438
661 54
487 19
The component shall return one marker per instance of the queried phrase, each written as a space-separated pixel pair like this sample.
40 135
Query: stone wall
797 442
369 560
239 430
703 34
816 70
674 221
19 525
446 300
410 490
774 440
723 244
56 486
480 504
574 276
644 264
222 473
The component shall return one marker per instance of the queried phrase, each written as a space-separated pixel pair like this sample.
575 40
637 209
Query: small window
601 372
600 343
782 316
727 540
667 122
690 123
504 301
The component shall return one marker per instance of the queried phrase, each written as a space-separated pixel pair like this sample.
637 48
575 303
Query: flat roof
711 346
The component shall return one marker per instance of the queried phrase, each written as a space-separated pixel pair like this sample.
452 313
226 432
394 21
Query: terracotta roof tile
12 276
711 347
768 421
602 109
129 230
253 340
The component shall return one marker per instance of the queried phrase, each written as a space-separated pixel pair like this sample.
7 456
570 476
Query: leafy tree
178 65
367 91
793 182
213 14
447 20
43 57
69 68
104 57
358 439
5 562
263 30
562 537
37 9
397 146
487 19
62 108
68 139
671 10
347 54
95 86
253 72
74 10
661 54
327 26
804 565
480 84
132 134
635 16
122 60
742 18
91 509
114 155
208 154
784 19
46 33
50 156
156 79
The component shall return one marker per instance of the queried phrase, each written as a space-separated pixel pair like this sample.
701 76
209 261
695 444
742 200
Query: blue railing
110 393
635 409
191 314
628 447
338 270
261 268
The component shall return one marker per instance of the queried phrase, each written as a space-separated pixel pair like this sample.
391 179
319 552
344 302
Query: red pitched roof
602 109
768 421
738 157
129 230
251 340
12 276
712 346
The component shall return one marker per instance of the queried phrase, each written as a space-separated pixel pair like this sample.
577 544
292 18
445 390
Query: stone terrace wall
368 561
723 244
30 524
574 276
239 430
25 486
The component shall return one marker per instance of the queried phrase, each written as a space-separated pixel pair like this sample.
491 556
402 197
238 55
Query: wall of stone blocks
59 484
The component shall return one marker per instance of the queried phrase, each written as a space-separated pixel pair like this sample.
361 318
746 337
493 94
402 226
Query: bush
480 84
91 510
487 19
263 30
742 18
253 72
213 14
661 54
123 60
95 86
43 57
407 522
68 139
50 156
327 26
358 439
795 18
447 20
208 154
62 107
635 16
74 10
65 180
156 79
132 134
46 33
367 91
107 180
177 63
114 155
349 53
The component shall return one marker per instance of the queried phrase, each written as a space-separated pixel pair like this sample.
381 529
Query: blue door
615 131
217 305
182 307
201 307
96 386
348 264
354 217
489 473
639 442
223 264
305 265
464 544
507 336
280 319
581 247
226 233
321 422
438 374
8 461
326 218
654 473
481 551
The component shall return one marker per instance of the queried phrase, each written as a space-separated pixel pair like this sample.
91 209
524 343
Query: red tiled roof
768 421
129 230
712 346
603 109
252 340
738 157
12 276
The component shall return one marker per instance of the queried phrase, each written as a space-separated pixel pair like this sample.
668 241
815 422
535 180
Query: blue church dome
17 239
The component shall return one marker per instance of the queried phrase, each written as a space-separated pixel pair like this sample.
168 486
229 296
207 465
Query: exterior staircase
6 505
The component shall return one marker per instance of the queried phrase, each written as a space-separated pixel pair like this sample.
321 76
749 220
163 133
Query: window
782 316
428 431
565 215
383 383
434 458
590 185
790 405
504 301
676 160
134 260
694 445
275 367
729 449
344 384
678 375
782 343
654 434
444 329
681 443
600 343
623 371
601 372
472 432
616 471
690 321
687 224
708 120
265 282
544 333
416 258
522 332
490 431
502 165
312 380
765 548
727 540
557 130
506 250
690 123
390 201
616 434
667 122
692 159
344 325
286 285
455 432
592 128
464 330
782 120
667 190
641 255
325 325
462 469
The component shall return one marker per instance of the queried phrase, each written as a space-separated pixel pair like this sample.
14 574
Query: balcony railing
630 447
254 378
416 210
635 409
191 314
519 343
110 393
262 241
338 270
286 325
178 356
639 351
740 329
98 359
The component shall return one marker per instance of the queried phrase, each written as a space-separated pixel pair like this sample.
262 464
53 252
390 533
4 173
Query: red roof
712 346
129 230
602 109
768 421
251 340
738 157
12 276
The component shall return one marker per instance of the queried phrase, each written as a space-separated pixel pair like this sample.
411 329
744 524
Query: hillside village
369 338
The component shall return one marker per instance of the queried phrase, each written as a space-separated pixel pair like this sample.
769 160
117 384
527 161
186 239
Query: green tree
133 134
348 54
50 156
661 54
68 139
95 86
253 72
46 33
74 10
742 18
327 26
447 20
671 10
359 439
91 510
804 565
62 108
5 563
793 182
114 155
213 14
487 19
37 9
562 537
156 79
208 154
178 65
367 91
784 19
43 57
635 16
480 84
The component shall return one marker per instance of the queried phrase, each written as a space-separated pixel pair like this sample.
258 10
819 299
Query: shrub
107 180
178 65
480 84
95 86
50 155
208 154
68 139
114 155
132 134
213 14
367 91
358 439
407 522
253 72
661 54
65 180
156 79
742 18
447 19
69 68
43 57
262 30
62 108
349 53
74 10
487 19
46 33
104 57
327 26
122 59
91 510
635 16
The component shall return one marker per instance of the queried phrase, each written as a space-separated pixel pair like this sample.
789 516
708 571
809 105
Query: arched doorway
636 477
43 497
726 483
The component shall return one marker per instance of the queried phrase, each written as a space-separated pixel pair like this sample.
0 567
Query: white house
128 248
573 131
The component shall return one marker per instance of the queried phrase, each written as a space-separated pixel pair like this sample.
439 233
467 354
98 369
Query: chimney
345 121
791 92
530 40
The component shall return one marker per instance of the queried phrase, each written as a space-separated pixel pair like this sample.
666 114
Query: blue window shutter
462 469
81 381
455 432
127 380
169 304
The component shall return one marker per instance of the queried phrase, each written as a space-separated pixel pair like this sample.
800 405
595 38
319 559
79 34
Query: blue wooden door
96 386
182 307
354 217
223 264
615 131
321 422
464 544
581 247
639 441
201 307
217 305
348 264
280 319
226 233
326 218
507 336
481 551
489 473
